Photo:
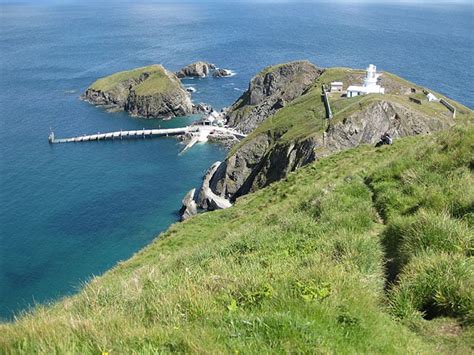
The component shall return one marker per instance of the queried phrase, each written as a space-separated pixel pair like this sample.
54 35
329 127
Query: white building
213 119
370 84
336 86
431 97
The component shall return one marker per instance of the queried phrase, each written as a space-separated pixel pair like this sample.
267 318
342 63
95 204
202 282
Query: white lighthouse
370 84
371 76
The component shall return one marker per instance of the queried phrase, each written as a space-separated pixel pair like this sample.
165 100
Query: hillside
150 92
368 250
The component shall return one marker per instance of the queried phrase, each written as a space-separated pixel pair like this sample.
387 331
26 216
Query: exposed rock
232 174
228 140
369 123
202 196
202 108
269 91
207 199
173 104
220 73
215 202
150 92
189 207
196 69
279 104
257 163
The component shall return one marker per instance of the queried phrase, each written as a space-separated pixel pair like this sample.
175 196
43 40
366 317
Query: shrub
434 285
426 232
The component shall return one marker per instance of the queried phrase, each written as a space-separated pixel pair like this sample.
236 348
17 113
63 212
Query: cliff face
259 163
113 96
174 103
269 91
151 92
366 126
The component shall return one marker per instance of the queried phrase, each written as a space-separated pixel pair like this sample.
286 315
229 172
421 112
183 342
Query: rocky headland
150 92
285 118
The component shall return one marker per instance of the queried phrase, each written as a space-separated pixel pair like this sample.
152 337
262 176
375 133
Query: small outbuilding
336 86
355 90
431 97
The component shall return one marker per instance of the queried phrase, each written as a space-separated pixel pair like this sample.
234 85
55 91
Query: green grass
300 266
156 82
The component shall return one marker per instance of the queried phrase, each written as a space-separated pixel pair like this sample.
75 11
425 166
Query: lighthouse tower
370 84
371 77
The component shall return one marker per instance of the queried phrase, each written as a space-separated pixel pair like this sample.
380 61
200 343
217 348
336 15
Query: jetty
198 133
143 133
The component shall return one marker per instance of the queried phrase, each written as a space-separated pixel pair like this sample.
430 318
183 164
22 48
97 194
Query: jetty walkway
126 134
199 133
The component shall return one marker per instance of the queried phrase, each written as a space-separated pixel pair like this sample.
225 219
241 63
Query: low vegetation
366 251
154 80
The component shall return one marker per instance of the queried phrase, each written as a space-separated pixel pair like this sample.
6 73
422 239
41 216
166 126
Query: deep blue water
70 211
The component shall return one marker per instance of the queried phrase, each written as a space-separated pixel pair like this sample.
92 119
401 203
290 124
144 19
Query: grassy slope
295 267
157 82
305 116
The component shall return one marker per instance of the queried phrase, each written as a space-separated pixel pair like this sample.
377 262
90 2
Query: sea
69 212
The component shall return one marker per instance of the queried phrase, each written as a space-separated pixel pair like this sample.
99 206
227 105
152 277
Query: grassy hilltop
367 251
157 80
305 116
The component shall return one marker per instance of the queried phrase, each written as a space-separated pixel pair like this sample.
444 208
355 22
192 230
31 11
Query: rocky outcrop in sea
189 207
221 73
202 69
149 92
198 69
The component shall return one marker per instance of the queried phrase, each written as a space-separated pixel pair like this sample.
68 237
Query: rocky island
197 69
152 91
149 92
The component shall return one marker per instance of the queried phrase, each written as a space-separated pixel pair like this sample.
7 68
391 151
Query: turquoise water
71 211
